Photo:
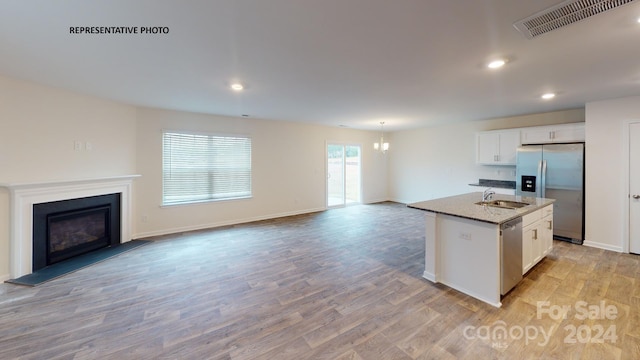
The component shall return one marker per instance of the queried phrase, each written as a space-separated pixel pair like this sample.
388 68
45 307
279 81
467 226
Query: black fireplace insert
69 228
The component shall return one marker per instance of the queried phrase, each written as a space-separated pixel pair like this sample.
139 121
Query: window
201 167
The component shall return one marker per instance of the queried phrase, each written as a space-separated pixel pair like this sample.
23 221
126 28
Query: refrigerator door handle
540 184
544 178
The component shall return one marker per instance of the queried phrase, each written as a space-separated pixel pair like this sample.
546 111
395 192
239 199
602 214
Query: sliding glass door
343 175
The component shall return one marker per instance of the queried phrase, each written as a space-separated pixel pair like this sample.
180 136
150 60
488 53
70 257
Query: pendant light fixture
381 146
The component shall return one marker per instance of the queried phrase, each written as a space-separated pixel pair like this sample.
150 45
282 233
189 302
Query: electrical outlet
88 146
77 145
145 218
465 236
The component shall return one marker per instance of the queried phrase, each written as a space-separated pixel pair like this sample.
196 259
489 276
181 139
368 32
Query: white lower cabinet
547 234
532 248
537 237
527 242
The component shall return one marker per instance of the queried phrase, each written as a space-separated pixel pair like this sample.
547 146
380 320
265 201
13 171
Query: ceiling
410 63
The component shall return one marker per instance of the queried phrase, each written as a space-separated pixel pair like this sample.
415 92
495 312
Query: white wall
38 128
40 125
605 171
439 161
288 170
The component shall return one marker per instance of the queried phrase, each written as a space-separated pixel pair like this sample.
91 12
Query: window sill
201 202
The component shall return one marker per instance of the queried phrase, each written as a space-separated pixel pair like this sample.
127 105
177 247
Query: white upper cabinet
553 134
488 145
497 147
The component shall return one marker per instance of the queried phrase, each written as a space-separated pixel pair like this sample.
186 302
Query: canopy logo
500 335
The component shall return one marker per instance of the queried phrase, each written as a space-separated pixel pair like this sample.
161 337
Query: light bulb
496 64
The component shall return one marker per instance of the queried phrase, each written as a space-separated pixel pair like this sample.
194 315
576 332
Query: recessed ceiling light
496 64
237 86
548 96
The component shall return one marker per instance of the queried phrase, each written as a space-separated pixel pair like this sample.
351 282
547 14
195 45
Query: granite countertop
464 206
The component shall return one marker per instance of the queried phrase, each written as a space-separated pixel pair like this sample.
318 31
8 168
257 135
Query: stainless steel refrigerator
555 171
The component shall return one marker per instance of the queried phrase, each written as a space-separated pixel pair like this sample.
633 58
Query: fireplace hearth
68 228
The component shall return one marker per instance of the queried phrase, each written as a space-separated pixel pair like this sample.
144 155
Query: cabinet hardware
636 197
535 234
550 224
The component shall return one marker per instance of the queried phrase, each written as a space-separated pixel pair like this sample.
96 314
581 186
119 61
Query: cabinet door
508 146
537 246
536 135
568 133
553 134
533 245
547 234
487 147
527 242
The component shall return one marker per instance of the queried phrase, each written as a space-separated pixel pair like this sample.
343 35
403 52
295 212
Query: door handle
543 185
636 197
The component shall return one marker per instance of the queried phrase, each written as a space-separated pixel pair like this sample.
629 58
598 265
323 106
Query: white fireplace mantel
25 195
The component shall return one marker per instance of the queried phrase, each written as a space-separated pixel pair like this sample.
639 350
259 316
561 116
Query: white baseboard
373 201
476 295
598 245
222 223
401 201
4 277
429 276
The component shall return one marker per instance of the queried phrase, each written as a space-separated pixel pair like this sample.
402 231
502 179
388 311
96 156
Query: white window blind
198 167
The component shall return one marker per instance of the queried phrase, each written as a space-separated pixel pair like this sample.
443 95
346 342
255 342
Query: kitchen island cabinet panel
475 244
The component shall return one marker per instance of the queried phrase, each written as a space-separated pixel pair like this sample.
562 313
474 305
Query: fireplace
24 196
68 228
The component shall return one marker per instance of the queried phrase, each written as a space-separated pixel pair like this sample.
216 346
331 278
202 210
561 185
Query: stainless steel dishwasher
510 254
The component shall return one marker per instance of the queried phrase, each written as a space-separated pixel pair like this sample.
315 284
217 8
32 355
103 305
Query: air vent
563 14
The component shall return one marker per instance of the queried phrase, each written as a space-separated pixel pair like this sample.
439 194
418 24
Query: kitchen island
463 240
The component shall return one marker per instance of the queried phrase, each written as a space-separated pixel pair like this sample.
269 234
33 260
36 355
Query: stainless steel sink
505 204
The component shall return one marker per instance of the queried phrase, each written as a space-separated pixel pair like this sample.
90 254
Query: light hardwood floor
340 284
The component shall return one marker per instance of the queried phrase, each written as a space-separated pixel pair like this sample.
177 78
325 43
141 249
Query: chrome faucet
487 194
